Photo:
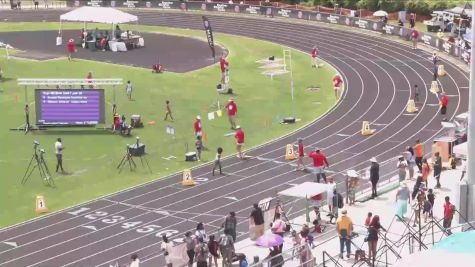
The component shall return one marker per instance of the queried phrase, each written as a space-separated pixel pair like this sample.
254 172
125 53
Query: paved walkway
384 206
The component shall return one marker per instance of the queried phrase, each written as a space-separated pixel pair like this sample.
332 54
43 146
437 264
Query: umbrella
269 240
380 13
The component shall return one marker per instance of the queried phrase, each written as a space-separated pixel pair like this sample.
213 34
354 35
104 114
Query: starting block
434 87
290 152
411 106
365 129
40 206
441 70
187 178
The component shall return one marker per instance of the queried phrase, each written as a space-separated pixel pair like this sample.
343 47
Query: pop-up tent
98 15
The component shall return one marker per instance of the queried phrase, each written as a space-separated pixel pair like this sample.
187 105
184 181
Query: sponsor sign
165 4
94 3
426 39
130 4
284 12
362 24
389 29
220 7
333 19
253 9
447 47
209 34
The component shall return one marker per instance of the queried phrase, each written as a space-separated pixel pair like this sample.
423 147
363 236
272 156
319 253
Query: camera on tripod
38 162
36 144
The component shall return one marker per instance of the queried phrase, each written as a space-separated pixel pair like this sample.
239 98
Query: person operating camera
59 154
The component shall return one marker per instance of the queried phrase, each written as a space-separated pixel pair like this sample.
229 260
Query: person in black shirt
258 219
374 176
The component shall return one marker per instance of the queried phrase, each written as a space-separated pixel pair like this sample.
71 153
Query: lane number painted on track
201 180
78 211
148 228
96 215
113 219
128 225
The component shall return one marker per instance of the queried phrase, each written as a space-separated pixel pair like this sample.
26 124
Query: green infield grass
91 155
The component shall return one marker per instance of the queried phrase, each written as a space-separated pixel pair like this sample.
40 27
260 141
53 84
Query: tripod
127 158
38 161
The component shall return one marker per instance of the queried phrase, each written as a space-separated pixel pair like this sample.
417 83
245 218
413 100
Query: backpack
340 200
223 242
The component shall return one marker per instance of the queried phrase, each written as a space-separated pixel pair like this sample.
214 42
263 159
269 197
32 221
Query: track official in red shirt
224 65
89 80
239 141
301 155
314 57
232 111
414 37
197 127
444 101
337 82
71 49
319 163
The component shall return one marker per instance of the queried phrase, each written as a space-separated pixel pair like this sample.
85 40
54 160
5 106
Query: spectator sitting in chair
124 128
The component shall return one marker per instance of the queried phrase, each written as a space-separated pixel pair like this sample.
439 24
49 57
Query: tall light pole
470 215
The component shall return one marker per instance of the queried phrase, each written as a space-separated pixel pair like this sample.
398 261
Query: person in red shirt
414 37
301 156
224 65
368 219
89 79
239 141
232 110
319 163
314 57
449 211
444 101
337 82
197 126
71 49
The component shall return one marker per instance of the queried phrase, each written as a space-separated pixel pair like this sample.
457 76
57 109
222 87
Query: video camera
36 144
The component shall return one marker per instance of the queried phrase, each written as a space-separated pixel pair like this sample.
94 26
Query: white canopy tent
106 15
306 190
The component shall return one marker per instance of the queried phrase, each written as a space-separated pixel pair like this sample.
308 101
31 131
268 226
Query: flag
209 34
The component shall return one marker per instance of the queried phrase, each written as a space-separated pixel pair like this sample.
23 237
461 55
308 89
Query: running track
379 75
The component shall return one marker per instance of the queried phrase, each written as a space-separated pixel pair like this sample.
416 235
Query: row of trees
422 7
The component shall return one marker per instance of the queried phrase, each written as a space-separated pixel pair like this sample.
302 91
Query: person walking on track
444 101
301 151
217 161
337 82
232 110
168 111
374 176
314 57
239 136
197 127
319 163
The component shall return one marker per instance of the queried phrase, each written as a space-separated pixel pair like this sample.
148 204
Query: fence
6 4
300 255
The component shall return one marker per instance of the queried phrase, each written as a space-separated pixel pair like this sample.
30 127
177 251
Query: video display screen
63 107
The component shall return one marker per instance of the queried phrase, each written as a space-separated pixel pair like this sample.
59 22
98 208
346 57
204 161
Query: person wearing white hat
239 141
401 166
197 126
374 176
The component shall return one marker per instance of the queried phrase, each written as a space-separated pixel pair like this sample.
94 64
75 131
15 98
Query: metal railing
289 256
